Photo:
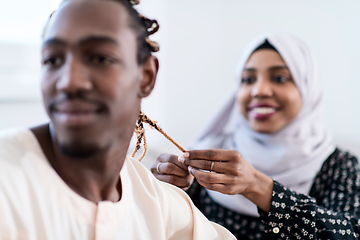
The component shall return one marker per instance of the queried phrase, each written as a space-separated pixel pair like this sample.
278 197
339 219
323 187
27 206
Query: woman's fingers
209 177
169 164
218 187
213 166
216 160
180 182
218 182
165 157
212 154
168 169
230 173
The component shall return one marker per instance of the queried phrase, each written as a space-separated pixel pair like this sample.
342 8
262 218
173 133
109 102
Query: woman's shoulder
341 158
340 162
339 173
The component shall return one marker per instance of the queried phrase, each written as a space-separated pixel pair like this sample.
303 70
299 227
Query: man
61 180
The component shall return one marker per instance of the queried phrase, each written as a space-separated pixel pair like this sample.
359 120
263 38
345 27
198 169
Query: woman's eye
98 59
248 80
280 79
53 61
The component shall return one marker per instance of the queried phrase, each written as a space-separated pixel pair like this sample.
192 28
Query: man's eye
280 79
248 80
98 59
53 61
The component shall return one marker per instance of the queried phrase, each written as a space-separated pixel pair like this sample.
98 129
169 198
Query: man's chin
80 151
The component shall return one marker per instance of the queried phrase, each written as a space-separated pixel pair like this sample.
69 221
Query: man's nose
74 77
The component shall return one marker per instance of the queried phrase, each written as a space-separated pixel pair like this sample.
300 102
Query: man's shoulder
135 169
162 190
13 144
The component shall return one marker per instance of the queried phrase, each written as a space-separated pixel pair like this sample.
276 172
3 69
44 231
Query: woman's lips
262 112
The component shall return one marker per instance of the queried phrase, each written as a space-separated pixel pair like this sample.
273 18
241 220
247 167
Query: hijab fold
294 155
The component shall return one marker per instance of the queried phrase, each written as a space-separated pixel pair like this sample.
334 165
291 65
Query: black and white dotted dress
330 211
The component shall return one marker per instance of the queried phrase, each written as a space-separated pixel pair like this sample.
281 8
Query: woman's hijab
292 156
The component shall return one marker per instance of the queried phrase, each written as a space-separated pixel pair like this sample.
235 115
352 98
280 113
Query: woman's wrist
261 191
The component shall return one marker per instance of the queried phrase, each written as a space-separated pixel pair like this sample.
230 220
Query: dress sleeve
333 214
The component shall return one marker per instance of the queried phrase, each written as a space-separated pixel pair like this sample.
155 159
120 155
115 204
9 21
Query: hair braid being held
140 133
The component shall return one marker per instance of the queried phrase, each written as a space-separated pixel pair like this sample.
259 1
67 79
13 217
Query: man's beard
80 151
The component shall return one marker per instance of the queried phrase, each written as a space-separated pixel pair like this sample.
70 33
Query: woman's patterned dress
330 211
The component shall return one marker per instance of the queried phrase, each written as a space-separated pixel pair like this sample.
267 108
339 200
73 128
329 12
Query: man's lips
76 113
73 107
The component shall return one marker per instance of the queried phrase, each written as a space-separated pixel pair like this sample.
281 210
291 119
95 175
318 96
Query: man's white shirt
36 204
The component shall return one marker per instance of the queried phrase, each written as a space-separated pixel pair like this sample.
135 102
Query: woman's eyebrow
250 69
278 68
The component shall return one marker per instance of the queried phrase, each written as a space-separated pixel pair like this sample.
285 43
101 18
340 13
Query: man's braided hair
144 27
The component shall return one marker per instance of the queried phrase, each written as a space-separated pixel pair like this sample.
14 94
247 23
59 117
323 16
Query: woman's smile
262 111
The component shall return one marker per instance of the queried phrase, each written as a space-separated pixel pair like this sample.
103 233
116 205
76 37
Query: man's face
91 80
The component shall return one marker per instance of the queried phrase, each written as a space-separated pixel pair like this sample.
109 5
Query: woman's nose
262 88
74 77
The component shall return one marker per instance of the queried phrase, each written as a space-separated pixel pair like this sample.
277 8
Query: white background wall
200 43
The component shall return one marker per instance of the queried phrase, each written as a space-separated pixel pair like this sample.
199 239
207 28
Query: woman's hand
228 172
168 169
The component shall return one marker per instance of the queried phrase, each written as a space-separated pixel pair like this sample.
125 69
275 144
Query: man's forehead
81 18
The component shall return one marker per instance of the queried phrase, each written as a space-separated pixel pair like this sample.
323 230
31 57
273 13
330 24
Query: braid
140 132
143 26
151 26
134 2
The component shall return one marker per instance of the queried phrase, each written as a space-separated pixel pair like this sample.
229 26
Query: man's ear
150 70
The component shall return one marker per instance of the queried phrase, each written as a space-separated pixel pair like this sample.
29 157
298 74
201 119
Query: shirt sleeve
180 209
333 215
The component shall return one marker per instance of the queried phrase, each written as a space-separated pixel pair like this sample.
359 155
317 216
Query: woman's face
268 96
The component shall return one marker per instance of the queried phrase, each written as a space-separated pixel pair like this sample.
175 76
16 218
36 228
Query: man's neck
96 178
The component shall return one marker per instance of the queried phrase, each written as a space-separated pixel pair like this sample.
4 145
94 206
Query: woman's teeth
263 110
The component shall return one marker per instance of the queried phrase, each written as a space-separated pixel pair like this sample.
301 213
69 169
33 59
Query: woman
271 169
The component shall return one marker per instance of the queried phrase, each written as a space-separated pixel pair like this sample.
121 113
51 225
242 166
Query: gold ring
212 165
158 168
